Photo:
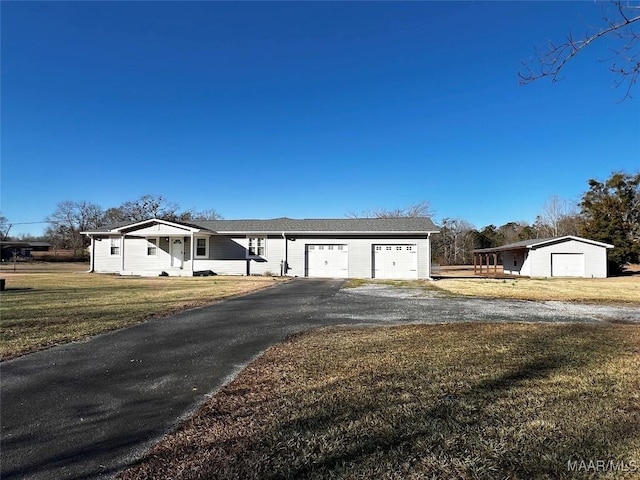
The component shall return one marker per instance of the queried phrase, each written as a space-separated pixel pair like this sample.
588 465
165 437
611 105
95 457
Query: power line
29 223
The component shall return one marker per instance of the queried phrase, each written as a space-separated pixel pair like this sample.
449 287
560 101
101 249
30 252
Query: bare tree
210 214
155 206
5 226
114 215
454 244
69 219
146 207
420 209
558 217
619 23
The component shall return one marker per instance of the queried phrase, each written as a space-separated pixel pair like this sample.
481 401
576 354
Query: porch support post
122 238
283 268
474 263
495 264
429 256
92 259
193 249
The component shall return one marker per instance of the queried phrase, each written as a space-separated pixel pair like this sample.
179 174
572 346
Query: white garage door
395 261
567 265
330 261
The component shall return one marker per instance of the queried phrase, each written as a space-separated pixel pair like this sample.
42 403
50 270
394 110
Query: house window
114 246
257 246
152 247
202 247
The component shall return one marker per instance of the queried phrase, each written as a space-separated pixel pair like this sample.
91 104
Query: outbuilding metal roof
538 242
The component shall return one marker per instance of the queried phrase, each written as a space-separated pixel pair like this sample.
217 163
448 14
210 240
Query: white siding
227 255
159 230
360 253
595 258
513 261
133 258
103 261
137 262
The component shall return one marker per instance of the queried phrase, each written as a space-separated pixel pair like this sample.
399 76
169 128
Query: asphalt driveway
88 409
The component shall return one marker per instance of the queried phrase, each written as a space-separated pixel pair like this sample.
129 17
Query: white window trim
206 247
111 245
157 239
249 254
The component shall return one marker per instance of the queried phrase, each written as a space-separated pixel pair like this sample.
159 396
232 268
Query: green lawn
468 401
43 309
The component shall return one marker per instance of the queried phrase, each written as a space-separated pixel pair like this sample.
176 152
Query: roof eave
323 232
570 237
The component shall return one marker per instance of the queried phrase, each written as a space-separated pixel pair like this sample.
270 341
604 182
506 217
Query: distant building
21 249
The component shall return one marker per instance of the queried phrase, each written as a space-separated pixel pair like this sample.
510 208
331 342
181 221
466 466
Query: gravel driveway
385 304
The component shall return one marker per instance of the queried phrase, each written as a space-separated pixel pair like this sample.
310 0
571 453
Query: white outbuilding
567 256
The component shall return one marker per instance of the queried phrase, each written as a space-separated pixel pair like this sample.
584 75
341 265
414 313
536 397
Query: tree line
608 211
70 218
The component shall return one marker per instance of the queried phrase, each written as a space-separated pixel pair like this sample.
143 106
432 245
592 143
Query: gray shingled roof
321 225
291 225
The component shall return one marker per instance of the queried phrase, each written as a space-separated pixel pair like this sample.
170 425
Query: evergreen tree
611 214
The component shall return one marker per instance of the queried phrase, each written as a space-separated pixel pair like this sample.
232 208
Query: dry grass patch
467 401
624 290
43 309
359 282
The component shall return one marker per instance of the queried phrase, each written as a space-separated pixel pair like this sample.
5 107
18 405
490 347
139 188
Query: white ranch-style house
394 248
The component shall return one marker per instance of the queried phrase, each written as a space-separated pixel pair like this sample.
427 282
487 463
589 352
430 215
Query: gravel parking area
385 304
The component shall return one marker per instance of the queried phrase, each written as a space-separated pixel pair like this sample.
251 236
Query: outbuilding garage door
395 261
567 265
327 261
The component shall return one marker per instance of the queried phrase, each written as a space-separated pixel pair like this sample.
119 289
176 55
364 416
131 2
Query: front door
177 252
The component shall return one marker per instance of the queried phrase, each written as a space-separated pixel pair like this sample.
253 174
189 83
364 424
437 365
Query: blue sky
304 109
